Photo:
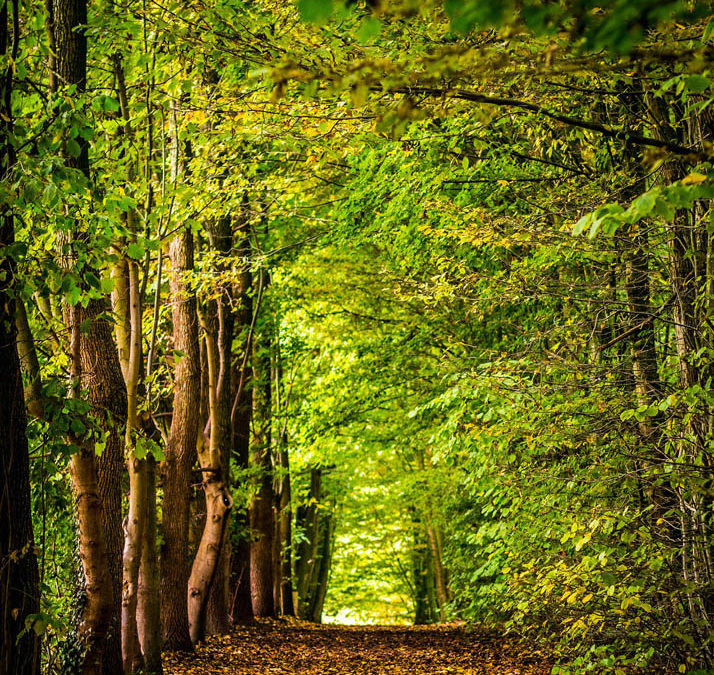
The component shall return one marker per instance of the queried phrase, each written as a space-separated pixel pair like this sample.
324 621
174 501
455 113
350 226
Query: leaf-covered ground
283 648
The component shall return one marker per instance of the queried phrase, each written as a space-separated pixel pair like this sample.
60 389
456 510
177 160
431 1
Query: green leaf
92 280
73 148
708 31
77 426
580 226
314 10
143 447
40 627
697 83
369 29
72 295
110 104
642 206
135 251
100 445
106 285
86 132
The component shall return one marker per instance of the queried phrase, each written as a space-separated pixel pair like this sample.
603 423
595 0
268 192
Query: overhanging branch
619 134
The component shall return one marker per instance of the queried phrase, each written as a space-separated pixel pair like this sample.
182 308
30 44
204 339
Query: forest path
286 648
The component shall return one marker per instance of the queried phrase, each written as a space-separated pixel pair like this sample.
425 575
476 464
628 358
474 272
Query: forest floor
283 648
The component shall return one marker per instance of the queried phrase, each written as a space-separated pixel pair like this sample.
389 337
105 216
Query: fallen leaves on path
287 648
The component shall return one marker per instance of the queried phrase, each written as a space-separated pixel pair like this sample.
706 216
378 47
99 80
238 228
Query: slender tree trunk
221 239
441 583
133 540
99 605
434 540
218 499
287 606
261 512
138 495
100 375
282 550
140 592
420 573
277 572
241 416
148 616
29 362
648 386
314 553
218 506
307 518
322 568
181 449
19 590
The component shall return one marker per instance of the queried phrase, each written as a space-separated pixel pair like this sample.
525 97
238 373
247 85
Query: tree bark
138 495
218 499
314 553
102 378
241 416
180 449
99 369
323 565
221 239
148 617
261 512
420 573
19 582
283 511
307 519
287 606
440 578
29 362
99 606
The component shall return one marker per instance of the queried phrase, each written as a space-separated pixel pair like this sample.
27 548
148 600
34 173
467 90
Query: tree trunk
99 604
218 506
100 374
277 572
420 573
261 512
283 512
314 553
307 518
287 606
102 378
221 239
441 582
218 499
19 589
180 449
29 362
241 416
148 616
648 387
138 494
323 565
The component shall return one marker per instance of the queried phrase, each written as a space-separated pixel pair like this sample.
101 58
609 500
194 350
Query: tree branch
475 97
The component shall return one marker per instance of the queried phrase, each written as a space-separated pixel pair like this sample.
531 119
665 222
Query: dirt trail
281 648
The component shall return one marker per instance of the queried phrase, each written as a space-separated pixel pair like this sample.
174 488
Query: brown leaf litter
287 648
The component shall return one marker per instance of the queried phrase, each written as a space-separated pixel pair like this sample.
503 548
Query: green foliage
461 369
